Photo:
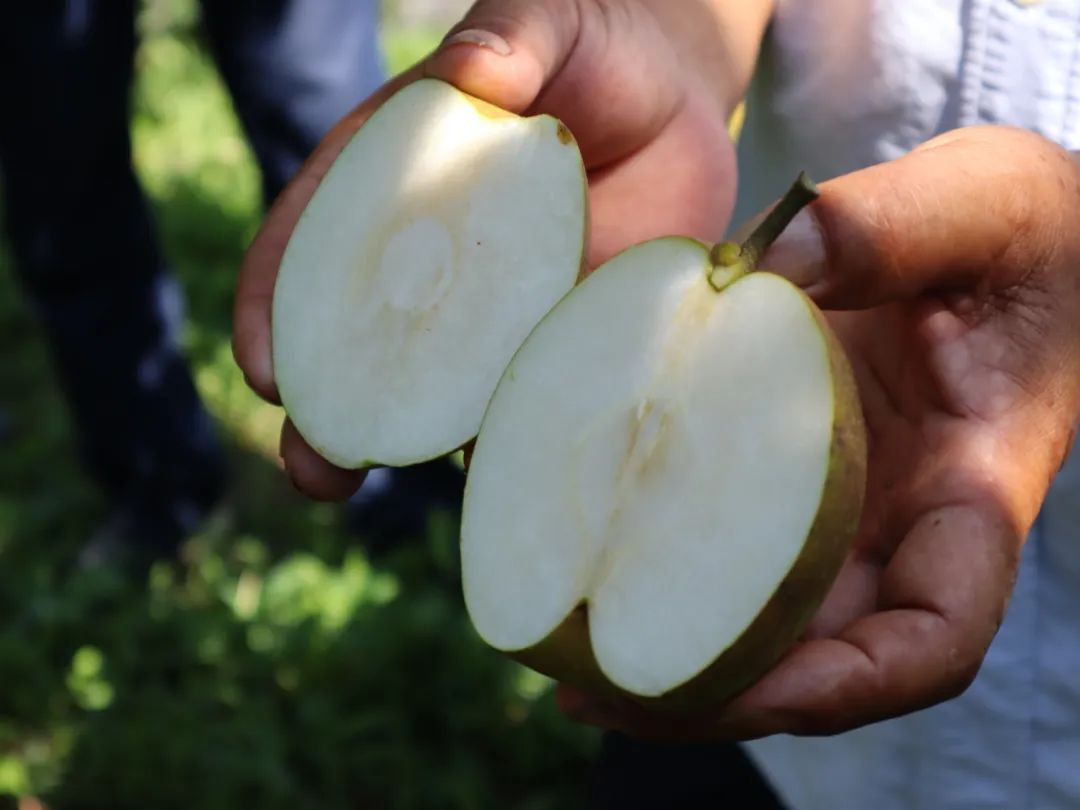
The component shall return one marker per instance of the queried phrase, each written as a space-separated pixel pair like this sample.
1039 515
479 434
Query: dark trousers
82 235
634 775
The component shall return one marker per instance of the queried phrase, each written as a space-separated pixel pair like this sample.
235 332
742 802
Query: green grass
276 666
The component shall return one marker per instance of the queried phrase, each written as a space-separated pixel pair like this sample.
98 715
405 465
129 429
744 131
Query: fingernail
799 253
482 39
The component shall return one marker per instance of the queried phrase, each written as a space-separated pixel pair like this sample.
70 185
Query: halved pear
442 234
667 479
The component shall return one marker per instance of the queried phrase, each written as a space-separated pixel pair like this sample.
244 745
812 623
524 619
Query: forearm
719 38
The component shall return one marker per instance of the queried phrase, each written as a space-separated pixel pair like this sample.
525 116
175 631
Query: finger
572 59
506 51
943 596
854 594
258 271
978 209
311 473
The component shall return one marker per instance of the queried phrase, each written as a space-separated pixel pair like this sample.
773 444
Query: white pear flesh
441 235
650 473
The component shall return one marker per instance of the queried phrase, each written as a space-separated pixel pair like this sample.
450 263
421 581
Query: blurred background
275 663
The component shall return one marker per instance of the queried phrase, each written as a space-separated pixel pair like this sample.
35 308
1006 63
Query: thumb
506 51
977 209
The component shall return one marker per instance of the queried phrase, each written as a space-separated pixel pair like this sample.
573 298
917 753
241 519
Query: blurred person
946 250
83 238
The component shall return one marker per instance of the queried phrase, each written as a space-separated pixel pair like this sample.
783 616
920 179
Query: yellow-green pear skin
566 655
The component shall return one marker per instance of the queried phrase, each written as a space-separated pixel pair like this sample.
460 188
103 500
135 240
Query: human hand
957 270
646 86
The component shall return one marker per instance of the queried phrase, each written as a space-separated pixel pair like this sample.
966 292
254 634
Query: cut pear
442 234
666 482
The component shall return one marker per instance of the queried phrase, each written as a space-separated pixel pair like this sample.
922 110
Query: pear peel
722 529
440 236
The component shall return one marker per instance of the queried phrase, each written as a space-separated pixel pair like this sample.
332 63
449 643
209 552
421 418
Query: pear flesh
441 235
666 482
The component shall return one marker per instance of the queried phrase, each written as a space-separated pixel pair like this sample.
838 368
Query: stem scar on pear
730 261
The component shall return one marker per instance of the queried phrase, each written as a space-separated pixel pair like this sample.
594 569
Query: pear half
441 235
667 480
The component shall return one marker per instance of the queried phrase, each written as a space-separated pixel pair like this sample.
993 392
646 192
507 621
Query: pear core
417 265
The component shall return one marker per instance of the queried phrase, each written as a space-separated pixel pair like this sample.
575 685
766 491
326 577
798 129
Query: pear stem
803 192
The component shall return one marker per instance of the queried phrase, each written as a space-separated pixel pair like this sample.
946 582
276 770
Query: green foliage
404 47
276 667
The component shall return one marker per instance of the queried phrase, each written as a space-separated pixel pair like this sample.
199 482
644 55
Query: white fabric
843 85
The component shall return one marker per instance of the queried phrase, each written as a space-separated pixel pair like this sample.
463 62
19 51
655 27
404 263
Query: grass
277 666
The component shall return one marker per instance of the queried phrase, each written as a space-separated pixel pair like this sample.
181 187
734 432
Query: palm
944 387
944 384
932 404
